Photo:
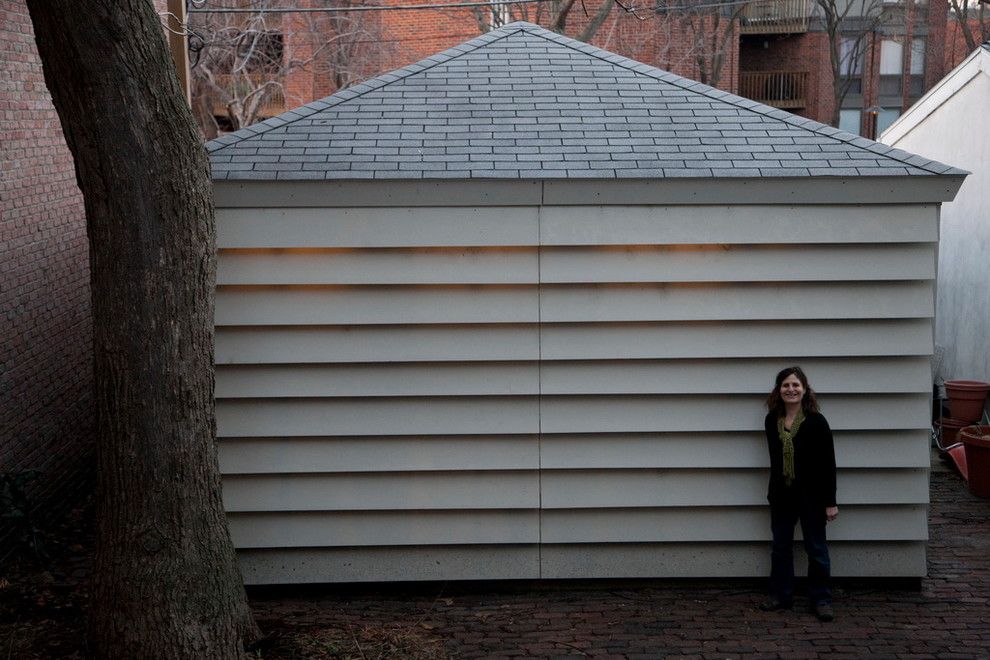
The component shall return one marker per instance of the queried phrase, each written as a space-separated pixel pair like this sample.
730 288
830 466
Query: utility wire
674 6
314 10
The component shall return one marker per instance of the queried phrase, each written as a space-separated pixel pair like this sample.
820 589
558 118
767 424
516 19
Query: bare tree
166 583
242 61
694 38
554 15
238 62
710 29
849 25
974 21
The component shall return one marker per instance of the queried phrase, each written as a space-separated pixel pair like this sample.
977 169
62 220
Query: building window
917 68
885 118
891 67
849 120
851 65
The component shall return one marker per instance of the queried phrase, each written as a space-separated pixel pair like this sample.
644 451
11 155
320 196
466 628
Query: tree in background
553 15
974 21
238 67
850 25
710 28
165 579
242 61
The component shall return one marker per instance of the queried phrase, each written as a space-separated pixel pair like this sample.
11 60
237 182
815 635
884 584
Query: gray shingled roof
523 102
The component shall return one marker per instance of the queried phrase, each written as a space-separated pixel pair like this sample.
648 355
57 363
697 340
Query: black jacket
814 462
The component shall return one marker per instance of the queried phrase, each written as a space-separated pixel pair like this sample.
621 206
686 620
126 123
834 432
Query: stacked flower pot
967 399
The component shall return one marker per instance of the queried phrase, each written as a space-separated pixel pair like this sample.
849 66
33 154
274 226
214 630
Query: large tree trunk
166 582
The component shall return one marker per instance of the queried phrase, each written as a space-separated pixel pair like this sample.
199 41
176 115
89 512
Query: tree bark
166 583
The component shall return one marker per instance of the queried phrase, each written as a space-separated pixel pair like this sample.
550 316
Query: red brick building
47 422
774 51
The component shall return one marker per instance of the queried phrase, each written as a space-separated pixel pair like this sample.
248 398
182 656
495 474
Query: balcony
780 89
775 17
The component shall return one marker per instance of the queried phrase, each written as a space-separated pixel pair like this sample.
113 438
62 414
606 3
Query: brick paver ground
948 617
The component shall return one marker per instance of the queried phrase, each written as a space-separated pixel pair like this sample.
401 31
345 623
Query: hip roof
521 102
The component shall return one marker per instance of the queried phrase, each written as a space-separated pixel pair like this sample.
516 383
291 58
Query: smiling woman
802 488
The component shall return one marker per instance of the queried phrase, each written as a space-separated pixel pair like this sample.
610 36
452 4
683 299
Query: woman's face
791 389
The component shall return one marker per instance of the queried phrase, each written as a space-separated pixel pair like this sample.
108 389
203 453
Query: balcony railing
780 89
775 17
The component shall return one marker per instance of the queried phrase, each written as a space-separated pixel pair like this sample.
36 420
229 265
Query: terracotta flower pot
967 398
976 439
950 427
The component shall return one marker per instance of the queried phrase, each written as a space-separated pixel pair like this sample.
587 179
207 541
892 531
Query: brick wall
956 49
46 405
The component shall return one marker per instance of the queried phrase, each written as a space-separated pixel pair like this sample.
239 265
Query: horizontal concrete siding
494 392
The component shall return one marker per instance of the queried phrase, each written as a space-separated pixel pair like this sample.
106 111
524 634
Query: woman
802 488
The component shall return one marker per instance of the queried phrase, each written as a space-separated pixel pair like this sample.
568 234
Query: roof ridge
732 99
362 88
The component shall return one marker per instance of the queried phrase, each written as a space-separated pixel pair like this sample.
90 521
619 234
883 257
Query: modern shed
512 312
947 123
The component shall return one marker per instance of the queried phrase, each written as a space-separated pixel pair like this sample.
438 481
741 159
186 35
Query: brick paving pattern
948 617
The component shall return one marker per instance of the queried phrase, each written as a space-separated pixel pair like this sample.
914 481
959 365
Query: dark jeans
784 515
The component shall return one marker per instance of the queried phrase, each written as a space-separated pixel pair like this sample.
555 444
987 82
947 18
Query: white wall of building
516 389
948 125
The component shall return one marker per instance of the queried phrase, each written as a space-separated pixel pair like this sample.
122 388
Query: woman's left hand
831 513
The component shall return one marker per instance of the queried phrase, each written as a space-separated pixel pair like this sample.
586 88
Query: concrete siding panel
349 344
380 491
380 528
741 523
857 559
738 263
370 454
376 227
745 449
707 225
770 339
385 266
834 375
641 413
382 564
380 416
361 380
271 306
732 302
605 489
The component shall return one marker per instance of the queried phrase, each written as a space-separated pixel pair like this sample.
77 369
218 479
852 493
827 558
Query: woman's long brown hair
809 404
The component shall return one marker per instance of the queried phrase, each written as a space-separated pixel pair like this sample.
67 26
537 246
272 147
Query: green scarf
787 440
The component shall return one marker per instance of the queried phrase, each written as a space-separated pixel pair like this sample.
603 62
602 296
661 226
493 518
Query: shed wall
487 392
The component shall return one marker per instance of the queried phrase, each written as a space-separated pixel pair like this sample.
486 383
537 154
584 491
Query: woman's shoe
772 604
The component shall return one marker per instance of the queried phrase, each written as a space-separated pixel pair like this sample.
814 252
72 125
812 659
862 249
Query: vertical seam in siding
539 382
